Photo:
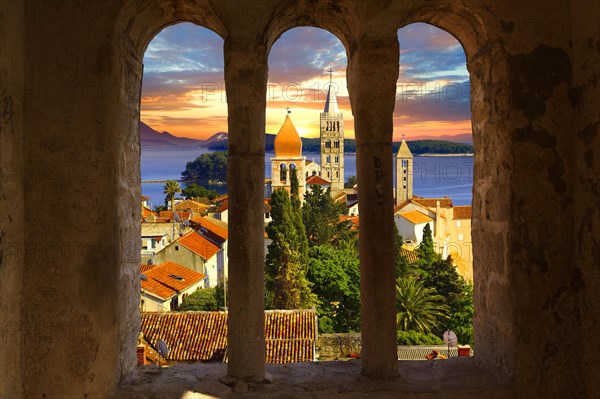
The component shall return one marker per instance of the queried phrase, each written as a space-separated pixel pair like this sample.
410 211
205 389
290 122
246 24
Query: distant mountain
417 147
216 139
457 138
151 138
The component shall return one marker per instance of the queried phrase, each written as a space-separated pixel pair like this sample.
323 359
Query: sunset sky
183 89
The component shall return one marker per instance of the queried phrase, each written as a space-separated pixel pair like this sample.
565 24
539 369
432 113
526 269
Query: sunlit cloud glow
184 93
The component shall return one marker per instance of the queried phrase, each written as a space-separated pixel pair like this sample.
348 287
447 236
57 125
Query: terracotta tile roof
416 217
191 205
352 219
146 267
214 226
267 204
314 179
224 205
191 336
160 282
146 212
221 198
400 206
431 202
196 336
145 198
198 244
463 212
168 215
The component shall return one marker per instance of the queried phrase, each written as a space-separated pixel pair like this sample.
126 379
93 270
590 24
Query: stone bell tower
332 140
404 173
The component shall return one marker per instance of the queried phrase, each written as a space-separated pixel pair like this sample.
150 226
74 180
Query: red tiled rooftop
168 215
224 205
198 244
416 217
192 205
431 202
317 180
195 336
160 282
212 225
463 212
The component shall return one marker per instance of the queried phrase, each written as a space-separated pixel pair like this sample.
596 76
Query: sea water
433 176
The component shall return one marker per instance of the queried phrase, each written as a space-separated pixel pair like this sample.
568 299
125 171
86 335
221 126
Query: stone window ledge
453 378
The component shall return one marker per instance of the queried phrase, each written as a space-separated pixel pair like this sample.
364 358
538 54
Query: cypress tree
286 285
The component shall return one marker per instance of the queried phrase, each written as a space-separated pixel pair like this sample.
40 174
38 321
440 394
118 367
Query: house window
328 159
337 159
461 237
458 223
336 144
328 144
267 215
176 247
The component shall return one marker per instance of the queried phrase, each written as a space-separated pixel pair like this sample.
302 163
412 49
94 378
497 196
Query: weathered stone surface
70 83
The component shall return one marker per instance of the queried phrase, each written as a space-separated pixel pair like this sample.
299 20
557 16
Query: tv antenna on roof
450 339
163 350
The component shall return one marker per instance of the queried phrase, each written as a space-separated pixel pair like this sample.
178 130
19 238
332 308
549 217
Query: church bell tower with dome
288 156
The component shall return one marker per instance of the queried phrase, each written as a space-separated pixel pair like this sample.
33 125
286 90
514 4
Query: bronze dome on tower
287 142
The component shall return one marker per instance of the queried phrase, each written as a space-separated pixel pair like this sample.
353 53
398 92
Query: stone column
246 81
372 76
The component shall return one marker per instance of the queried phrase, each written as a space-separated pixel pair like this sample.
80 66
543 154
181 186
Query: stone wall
338 346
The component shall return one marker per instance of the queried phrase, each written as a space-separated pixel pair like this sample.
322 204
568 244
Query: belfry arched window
283 173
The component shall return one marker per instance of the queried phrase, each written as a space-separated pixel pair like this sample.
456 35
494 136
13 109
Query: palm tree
171 188
351 182
418 308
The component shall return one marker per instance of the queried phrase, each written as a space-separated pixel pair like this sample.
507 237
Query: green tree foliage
416 338
418 308
402 266
220 296
193 191
297 212
426 250
335 277
461 315
200 300
171 188
321 217
351 181
440 275
286 285
417 147
208 168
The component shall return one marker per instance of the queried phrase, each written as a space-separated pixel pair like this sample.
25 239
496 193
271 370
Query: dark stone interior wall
69 111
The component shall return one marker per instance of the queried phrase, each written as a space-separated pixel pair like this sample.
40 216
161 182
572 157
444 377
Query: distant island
151 138
417 147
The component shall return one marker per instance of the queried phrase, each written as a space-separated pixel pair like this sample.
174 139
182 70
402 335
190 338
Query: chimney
141 355
438 218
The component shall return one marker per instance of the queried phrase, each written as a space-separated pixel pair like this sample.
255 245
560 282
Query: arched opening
283 173
434 170
316 107
183 140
